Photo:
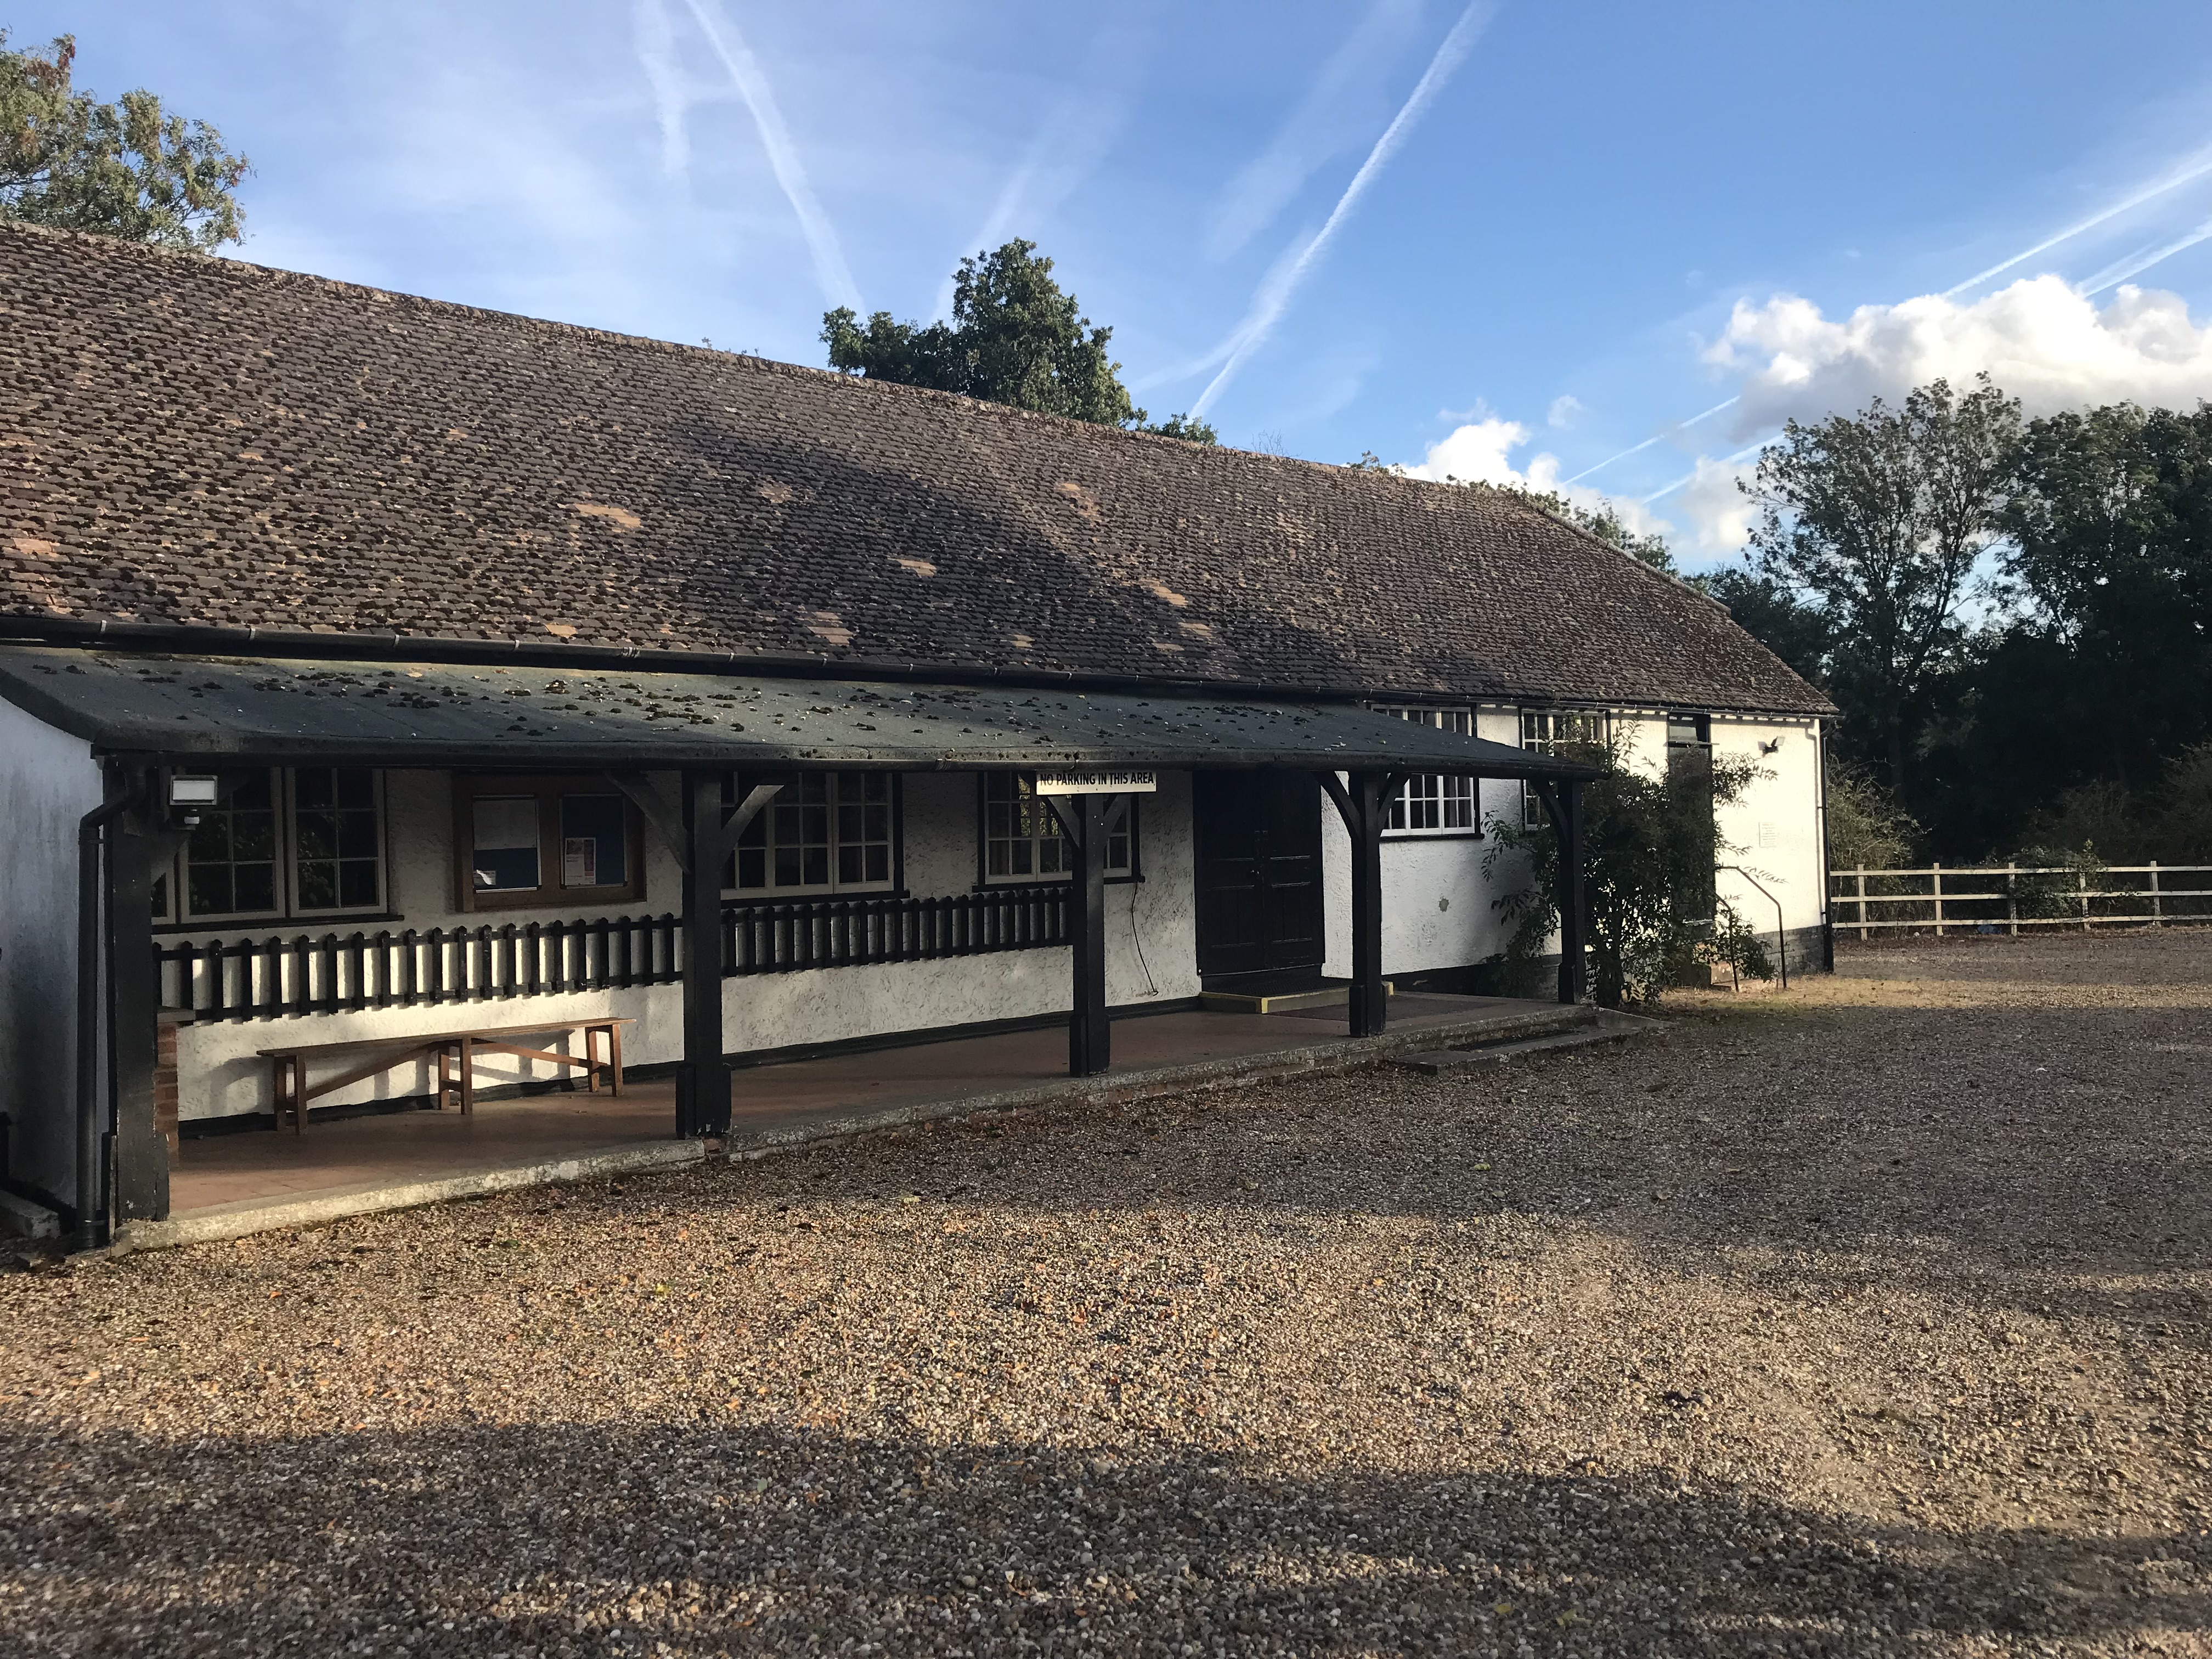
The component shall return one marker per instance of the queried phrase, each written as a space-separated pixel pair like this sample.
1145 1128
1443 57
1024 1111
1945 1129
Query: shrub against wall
1650 845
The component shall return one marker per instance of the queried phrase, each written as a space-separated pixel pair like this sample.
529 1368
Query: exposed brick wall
165 1085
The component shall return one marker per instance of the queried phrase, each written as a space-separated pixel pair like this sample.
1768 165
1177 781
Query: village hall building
403 703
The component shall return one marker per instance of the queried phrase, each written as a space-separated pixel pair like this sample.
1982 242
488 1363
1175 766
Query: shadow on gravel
510 1540
2039 1146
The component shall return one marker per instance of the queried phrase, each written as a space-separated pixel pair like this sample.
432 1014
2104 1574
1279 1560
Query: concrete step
1596 1026
1281 1002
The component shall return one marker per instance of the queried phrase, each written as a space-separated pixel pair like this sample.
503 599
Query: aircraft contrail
2109 277
1274 297
1679 426
1743 454
2113 276
2196 168
829 267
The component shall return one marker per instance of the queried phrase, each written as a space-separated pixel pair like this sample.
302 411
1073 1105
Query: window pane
209 890
230 861
256 886
357 883
319 886
594 846
507 852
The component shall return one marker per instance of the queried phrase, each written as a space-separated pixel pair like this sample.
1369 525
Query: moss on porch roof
200 441
437 714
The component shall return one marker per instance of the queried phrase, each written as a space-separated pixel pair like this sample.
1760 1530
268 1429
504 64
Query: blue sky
1512 240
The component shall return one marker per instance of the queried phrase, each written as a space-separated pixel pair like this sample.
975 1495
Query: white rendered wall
1774 831
48 781
1150 956
1437 906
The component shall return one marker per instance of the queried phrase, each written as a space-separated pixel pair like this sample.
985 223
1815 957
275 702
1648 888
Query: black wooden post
140 844
1089 1034
702 1092
1362 801
1562 804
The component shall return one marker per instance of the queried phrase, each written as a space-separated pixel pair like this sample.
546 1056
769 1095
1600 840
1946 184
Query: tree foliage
1603 521
1878 519
1649 844
128 168
1015 337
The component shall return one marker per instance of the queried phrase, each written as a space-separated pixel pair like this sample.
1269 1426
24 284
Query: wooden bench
456 1052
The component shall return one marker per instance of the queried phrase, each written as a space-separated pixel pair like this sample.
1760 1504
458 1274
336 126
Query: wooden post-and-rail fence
273 978
2004 899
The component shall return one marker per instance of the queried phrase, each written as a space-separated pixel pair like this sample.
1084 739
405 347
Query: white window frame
1436 805
1542 732
1122 824
173 909
777 814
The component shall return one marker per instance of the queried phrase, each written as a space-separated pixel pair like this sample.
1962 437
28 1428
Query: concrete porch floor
220 1185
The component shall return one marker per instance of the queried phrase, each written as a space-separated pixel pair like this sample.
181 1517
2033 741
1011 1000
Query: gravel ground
1868 1319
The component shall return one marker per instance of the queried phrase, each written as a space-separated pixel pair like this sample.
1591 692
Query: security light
192 792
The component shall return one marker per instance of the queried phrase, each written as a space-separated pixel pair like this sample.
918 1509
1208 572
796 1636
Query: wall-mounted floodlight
185 790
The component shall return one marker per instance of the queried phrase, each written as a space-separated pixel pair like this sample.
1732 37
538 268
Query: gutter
265 642
91 1216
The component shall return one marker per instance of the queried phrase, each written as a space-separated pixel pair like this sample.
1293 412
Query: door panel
1260 908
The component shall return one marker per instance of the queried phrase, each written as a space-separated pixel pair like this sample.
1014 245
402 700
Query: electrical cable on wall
1150 989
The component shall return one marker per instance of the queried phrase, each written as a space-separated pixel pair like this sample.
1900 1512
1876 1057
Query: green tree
1876 521
2066 721
1800 634
1015 337
125 169
1649 844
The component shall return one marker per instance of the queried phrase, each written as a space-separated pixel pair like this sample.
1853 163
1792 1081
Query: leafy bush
1650 845
1735 945
1866 827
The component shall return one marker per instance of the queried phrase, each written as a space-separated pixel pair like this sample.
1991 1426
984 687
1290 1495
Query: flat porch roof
276 712
228 1185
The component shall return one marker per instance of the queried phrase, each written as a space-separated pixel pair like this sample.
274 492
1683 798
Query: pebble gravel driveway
1868 1319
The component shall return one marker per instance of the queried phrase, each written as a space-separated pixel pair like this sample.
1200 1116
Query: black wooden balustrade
273 978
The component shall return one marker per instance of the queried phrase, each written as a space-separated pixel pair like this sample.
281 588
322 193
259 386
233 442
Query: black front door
1259 877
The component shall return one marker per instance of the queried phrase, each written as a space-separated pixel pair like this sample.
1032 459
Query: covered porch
699 756
226 1185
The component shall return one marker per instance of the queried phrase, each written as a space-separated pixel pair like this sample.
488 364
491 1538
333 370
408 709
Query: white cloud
1480 451
1721 515
1565 408
2044 342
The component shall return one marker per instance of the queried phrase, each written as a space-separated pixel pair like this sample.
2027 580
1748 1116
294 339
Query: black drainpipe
91 1154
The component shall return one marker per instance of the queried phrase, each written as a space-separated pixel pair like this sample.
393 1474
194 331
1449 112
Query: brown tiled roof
185 439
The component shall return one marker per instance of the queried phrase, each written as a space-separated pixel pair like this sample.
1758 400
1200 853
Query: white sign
580 862
1097 783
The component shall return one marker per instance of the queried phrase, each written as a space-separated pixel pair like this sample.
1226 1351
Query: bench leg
468 1078
614 1057
591 1060
445 1075
280 1085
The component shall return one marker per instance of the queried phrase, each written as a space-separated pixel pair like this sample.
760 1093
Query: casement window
531 842
1022 841
1435 803
1546 731
281 843
828 832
